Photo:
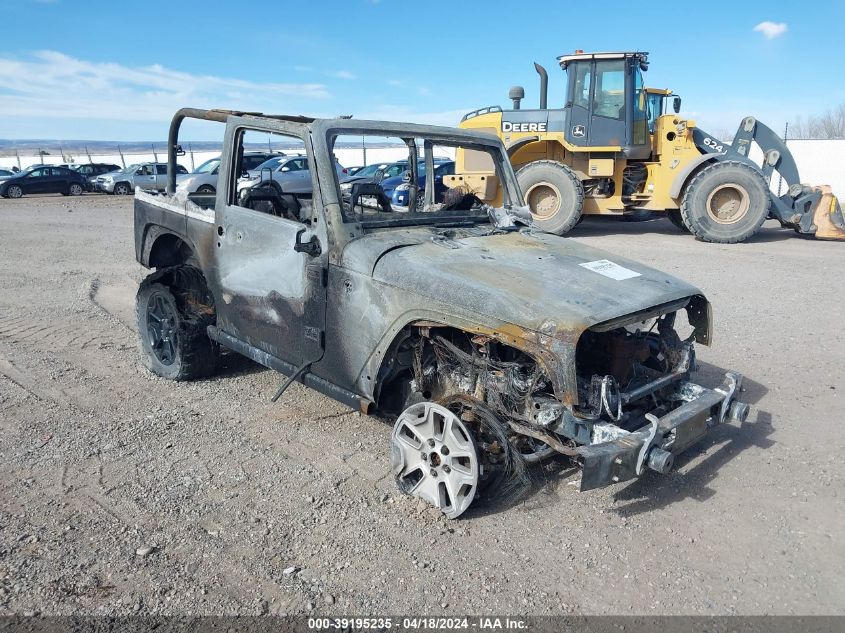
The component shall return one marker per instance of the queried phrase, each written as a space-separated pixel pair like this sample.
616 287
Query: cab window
610 89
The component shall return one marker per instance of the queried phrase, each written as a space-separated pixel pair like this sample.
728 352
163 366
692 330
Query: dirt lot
122 493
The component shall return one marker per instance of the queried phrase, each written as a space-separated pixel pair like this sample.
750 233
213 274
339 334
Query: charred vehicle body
488 345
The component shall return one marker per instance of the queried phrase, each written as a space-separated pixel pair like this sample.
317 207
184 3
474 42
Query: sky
115 70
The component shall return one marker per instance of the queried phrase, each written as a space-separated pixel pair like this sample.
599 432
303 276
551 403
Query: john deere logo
508 126
578 131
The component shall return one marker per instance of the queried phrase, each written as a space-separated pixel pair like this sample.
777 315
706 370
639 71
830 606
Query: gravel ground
121 493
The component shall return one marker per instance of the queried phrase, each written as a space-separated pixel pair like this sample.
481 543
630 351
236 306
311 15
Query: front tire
206 190
172 325
122 189
14 191
726 202
554 194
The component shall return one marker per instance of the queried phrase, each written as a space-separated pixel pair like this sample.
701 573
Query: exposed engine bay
630 375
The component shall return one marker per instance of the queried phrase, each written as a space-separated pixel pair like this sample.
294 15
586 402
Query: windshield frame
325 137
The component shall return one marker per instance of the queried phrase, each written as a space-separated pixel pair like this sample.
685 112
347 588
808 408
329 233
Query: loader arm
808 209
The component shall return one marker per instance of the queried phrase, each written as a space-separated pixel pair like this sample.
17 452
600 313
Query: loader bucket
827 217
810 211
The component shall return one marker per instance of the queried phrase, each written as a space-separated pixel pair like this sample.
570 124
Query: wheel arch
530 149
164 248
382 368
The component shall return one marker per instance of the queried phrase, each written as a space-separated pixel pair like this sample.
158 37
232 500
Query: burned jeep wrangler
491 345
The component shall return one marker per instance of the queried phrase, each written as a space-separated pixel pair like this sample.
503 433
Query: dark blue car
396 188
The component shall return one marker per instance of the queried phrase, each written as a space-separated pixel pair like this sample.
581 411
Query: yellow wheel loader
614 149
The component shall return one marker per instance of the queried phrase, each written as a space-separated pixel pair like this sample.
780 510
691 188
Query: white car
290 172
204 178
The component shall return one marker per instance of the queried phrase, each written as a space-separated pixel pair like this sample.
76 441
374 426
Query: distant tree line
830 124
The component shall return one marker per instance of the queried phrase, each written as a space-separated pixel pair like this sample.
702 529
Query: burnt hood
537 281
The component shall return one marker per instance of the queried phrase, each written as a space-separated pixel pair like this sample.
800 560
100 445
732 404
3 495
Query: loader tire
725 202
173 313
675 218
554 194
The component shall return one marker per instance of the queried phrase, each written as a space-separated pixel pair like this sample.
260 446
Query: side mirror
676 104
285 169
406 176
180 151
139 172
311 247
379 175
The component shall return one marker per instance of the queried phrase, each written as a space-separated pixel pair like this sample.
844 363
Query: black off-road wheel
554 194
206 190
173 312
677 219
726 202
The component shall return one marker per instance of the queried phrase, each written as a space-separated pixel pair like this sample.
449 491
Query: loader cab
607 102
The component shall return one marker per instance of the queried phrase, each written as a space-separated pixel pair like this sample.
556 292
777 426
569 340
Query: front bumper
654 446
104 187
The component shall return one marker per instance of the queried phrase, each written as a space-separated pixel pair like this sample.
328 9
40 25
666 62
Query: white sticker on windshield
609 269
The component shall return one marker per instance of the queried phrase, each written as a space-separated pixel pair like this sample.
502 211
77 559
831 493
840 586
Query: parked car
351 171
6 173
396 188
92 170
374 173
44 180
290 172
204 178
142 176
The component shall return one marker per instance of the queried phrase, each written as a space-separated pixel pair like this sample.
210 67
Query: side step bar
352 400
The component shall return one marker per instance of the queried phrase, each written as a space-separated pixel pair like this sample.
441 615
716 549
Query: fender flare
519 144
153 233
683 175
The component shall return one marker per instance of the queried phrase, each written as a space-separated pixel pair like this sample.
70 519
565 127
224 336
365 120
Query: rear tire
554 194
726 202
677 219
75 189
172 320
206 190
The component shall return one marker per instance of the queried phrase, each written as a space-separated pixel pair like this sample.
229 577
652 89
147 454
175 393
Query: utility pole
155 155
122 160
364 149
18 158
191 150
88 154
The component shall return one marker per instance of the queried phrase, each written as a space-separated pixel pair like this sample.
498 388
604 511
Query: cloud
771 30
449 118
344 74
50 84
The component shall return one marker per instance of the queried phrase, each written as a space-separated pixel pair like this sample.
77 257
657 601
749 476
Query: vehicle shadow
596 226
653 491
233 365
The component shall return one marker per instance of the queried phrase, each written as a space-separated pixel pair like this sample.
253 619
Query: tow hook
653 456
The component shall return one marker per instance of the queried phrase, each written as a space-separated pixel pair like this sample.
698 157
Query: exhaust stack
544 85
516 94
